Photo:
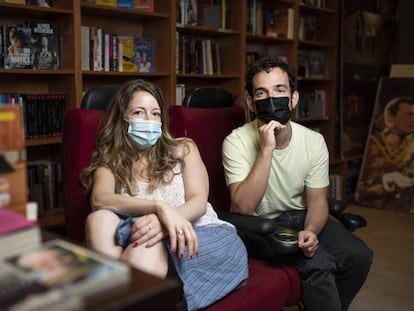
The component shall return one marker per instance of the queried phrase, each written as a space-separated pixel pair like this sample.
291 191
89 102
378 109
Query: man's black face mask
273 108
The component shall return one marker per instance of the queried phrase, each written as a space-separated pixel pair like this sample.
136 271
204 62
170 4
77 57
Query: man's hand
391 179
308 242
267 134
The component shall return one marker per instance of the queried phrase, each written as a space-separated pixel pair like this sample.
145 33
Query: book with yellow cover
106 2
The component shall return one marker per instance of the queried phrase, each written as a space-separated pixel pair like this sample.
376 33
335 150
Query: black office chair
98 97
208 97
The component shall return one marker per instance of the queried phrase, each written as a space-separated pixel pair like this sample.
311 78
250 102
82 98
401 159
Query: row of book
316 3
45 184
312 104
42 113
103 51
312 64
42 3
335 187
33 45
142 5
208 13
51 275
273 23
197 55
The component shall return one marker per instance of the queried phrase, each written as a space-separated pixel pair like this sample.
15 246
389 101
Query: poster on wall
386 180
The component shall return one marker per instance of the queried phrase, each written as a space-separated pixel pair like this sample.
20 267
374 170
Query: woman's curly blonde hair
115 151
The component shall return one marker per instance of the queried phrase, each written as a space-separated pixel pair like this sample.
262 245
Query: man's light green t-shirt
304 162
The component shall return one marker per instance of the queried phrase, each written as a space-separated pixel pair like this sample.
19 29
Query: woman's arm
196 184
103 196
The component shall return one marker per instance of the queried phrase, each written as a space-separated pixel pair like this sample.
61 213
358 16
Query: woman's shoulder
185 145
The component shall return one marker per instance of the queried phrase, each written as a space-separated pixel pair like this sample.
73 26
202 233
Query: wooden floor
390 283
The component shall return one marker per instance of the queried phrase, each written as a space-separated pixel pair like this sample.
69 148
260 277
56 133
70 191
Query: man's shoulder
306 131
243 131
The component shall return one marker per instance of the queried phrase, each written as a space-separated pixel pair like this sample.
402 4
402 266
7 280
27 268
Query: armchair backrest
98 97
209 97
208 127
80 128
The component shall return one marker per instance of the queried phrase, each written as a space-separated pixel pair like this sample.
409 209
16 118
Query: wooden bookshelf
161 24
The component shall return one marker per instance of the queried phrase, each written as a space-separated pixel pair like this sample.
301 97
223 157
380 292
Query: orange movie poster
386 179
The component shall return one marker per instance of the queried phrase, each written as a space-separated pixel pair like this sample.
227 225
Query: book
111 3
317 64
42 3
85 48
126 4
312 104
46 274
144 5
284 23
15 1
144 54
45 45
279 23
137 54
17 233
17 47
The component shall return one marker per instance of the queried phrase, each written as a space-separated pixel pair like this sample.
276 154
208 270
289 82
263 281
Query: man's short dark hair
266 64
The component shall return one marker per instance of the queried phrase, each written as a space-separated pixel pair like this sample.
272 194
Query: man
387 178
276 168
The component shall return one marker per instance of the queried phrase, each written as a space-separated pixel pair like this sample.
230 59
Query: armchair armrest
262 237
348 220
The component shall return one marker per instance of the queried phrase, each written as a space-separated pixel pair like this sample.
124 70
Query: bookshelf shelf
43 141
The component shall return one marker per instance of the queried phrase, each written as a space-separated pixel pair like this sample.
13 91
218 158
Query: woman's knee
101 218
152 260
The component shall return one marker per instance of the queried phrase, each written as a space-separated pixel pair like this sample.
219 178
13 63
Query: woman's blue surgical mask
273 108
144 133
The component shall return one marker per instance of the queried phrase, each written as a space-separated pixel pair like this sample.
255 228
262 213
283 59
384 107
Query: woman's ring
180 232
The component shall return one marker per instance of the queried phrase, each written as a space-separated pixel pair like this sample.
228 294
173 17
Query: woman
149 196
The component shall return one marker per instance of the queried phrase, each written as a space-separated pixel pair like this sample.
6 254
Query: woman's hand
179 229
147 230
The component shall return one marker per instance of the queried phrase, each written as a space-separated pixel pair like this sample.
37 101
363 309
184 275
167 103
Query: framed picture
386 179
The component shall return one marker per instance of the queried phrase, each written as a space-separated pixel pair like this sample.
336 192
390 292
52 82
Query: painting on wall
386 180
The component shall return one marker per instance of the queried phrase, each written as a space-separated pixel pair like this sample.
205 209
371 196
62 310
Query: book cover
111 3
1 47
317 64
303 64
283 24
57 268
45 45
42 3
85 48
144 5
15 1
17 47
126 4
16 233
126 54
144 54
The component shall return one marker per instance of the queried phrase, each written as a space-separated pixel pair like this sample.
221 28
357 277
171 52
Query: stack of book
17 233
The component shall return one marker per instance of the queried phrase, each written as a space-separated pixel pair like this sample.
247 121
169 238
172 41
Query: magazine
17 47
45 45
56 269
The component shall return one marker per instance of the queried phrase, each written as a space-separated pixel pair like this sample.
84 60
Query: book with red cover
17 233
